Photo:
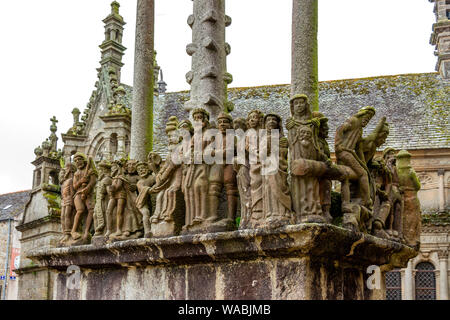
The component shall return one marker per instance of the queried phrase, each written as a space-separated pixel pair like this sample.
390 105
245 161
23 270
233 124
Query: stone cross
142 110
305 74
208 77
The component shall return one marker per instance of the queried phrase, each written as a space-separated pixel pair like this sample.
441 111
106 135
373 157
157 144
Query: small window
393 285
425 281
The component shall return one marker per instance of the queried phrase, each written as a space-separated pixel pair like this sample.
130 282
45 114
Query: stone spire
208 77
441 36
112 48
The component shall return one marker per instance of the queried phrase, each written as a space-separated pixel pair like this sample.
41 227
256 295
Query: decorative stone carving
276 194
169 208
84 182
101 199
146 181
409 186
67 203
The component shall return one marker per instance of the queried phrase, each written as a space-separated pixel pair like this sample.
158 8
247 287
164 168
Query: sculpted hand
290 123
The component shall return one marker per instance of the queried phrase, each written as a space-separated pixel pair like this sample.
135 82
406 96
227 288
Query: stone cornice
36 223
317 241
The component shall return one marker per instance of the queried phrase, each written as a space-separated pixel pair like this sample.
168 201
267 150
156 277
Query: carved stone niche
306 261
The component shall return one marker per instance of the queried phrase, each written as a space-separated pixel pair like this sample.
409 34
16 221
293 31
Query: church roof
417 107
13 204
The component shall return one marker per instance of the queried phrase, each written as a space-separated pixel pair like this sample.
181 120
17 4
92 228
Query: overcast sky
49 54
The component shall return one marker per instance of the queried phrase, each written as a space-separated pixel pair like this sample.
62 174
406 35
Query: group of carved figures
129 199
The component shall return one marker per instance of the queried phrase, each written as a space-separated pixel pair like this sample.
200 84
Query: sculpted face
300 106
115 168
173 137
366 118
223 124
131 167
254 119
305 134
143 171
271 123
381 138
240 125
200 117
79 163
62 174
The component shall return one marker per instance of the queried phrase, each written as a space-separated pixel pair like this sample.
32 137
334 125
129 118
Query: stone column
121 148
208 77
443 270
142 111
409 282
305 74
441 173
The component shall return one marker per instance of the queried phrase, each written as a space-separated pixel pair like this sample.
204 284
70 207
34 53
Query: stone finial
53 127
162 86
38 152
115 7
76 116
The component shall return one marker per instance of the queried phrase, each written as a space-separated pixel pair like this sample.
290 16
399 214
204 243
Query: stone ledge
320 242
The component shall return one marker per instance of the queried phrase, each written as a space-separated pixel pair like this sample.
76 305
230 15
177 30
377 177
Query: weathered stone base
163 229
308 261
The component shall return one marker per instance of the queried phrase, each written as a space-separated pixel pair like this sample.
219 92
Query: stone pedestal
306 261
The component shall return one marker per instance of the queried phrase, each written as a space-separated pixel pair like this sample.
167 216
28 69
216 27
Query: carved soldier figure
195 182
409 185
302 136
255 122
67 204
243 179
394 195
117 199
349 152
276 195
146 181
84 182
168 187
223 175
324 183
101 200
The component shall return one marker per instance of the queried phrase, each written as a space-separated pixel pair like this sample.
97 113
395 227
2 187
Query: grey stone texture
208 77
141 126
304 73
308 261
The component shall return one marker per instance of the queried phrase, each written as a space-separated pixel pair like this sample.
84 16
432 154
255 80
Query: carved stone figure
169 199
146 181
375 139
276 195
302 137
195 181
409 185
324 183
84 182
67 204
101 199
223 176
394 195
133 226
243 179
255 121
117 199
349 152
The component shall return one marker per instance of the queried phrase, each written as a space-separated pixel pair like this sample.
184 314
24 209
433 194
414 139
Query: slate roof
417 107
17 201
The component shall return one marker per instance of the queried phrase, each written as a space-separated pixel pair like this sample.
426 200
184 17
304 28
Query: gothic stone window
393 285
425 281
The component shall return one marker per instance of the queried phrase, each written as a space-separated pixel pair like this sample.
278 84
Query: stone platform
305 261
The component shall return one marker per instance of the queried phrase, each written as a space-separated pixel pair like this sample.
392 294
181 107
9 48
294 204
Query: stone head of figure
300 107
366 114
255 119
382 135
171 131
224 122
389 156
80 160
273 122
403 159
154 161
104 168
186 125
131 166
201 115
324 129
143 169
305 134
116 168
240 123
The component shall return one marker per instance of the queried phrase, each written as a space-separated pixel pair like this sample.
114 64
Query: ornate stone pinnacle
53 127
115 7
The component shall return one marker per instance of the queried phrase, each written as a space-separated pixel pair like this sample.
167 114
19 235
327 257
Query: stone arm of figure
92 181
340 132
77 183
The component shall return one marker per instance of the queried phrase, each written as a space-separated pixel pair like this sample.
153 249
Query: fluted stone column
142 111
305 74
443 270
208 77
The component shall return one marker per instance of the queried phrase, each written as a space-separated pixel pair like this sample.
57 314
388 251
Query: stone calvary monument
109 218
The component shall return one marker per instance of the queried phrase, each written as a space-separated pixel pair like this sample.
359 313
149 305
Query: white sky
49 54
